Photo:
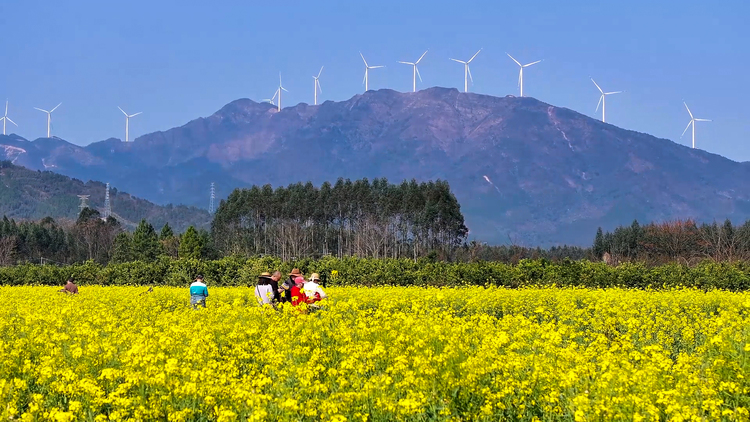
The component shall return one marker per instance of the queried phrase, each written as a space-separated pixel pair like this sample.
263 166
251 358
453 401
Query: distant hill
29 194
522 170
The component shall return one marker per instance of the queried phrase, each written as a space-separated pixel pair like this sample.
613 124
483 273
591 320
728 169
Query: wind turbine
415 72
278 94
127 122
49 117
467 72
5 118
692 122
367 70
602 98
520 74
316 85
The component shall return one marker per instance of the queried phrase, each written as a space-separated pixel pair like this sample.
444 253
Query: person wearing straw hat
265 291
312 289
289 283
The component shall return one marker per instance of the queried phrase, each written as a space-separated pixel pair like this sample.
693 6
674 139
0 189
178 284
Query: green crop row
399 272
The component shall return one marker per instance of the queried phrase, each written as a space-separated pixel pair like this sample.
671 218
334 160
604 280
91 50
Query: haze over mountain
28 194
523 170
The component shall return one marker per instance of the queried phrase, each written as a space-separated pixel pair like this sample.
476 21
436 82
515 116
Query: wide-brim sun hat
296 272
315 277
265 275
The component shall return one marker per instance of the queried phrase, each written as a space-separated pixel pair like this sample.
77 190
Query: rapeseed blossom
375 354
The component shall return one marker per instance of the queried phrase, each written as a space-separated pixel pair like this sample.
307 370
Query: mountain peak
521 168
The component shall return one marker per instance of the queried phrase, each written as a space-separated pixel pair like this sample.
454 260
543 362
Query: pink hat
299 280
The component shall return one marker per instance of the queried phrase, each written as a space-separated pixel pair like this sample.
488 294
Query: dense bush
400 272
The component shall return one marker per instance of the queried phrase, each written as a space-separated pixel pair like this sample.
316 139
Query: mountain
29 194
524 171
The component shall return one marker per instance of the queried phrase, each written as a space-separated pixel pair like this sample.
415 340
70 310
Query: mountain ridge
523 170
32 195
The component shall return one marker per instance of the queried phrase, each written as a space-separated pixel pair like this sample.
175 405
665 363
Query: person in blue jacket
198 292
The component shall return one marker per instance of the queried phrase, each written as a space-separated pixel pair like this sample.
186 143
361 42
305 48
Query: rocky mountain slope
524 171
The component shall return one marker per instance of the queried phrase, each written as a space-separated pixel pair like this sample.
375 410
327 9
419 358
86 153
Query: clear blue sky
179 60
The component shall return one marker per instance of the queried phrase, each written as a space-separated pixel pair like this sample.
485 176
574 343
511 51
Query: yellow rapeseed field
375 354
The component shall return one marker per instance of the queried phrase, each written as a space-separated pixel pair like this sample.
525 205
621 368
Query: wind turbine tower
107 204
211 199
692 122
415 72
520 74
467 71
602 99
127 122
316 85
5 118
278 94
49 117
367 71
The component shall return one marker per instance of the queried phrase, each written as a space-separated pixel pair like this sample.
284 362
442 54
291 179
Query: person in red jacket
298 297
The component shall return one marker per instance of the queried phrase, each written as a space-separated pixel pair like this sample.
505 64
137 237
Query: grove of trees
681 241
348 218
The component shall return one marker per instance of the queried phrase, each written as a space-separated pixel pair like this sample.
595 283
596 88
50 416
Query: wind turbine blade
597 85
697 120
55 108
123 111
365 77
281 87
475 54
533 63
468 70
600 102
6 107
35 108
133 115
613 92
511 57
459 61
321 71
691 114
407 63
421 57
363 58
420 76
317 82
8 118
686 128
376 67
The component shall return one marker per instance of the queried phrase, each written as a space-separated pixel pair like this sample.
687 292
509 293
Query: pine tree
122 248
166 232
145 245
599 247
191 244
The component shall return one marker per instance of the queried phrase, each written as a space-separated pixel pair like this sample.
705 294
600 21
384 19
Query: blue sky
179 60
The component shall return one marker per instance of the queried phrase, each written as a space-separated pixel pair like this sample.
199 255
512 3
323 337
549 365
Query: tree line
349 218
93 238
682 241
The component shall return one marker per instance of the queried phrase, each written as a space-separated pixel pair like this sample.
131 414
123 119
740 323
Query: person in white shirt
312 289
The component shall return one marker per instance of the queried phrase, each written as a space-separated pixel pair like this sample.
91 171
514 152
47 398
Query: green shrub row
400 272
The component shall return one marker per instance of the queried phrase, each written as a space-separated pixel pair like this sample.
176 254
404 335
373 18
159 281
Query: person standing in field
70 287
289 283
312 289
275 284
265 291
198 292
297 296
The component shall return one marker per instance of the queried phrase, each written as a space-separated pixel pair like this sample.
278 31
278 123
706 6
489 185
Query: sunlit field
375 354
